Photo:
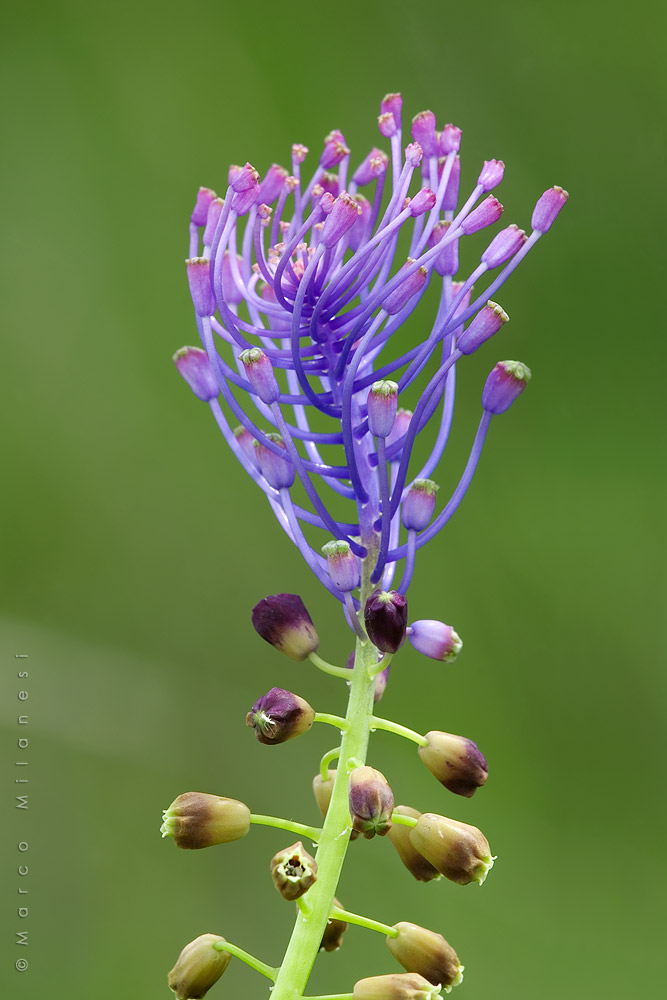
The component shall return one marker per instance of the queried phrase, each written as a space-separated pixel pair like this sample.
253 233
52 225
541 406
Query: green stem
356 918
266 970
329 668
402 820
382 665
326 760
332 720
312 832
394 727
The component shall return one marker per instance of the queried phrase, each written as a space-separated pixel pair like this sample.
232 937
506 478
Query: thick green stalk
308 931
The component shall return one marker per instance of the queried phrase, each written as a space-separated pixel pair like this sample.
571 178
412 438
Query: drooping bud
505 383
381 679
399 835
323 790
283 621
447 262
293 871
333 933
450 140
342 217
279 716
486 213
435 639
399 986
419 504
382 404
427 953
392 104
273 183
423 132
279 472
204 198
451 197
199 280
487 322
259 370
456 762
214 212
371 802
193 365
503 246
371 167
198 967
197 819
343 565
547 209
422 202
491 174
460 852
386 618
407 288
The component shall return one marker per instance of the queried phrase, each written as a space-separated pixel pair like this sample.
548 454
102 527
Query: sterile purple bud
199 280
427 953
446 262
456 762
450 140
259 370
392 103
343 565
326 203
547 208
371 802
505 383
487 322
193 365
204 198
198 967
407 288
387 125
460 852
279 472
231 292
381 679
198 819
335 150
293 871
245 179
343 215
382 407
299 152
491 174
386 618
273 183
329 182
283 621
488 212
371 167
233 173
423 132
397 986
451 196
413 154
323 790
419 504
358 234
214 210
503 246
243 201
333 933
400 428
279 716
435 639
245 441
422 202
399 835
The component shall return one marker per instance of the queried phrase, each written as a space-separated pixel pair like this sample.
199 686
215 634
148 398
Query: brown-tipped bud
371 802
197 819
425 952
456 762
282 620
399 835
399 986
332 938
199 966
279 716
293 871
460 852
323 790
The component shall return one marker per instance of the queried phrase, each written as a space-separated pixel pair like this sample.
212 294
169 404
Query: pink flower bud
214 210
259 370
193 365
273 183
547 208
409 287
423 132
245 441
446 262
503 246
278 472
231 292
342 564
382 406
487 322
422 202
491 174
375 164
451 197
413 154
505 383
335 150
204 198
387 125
419 504
199 280
358 234
392 103
450 140
343 215
299 152
484 215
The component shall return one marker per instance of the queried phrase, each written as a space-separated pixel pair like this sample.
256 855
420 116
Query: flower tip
192 364
548 207
504 385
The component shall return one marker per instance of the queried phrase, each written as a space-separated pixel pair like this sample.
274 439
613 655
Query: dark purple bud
193 365
547 208
487 322
399 835
387 125
259 370
381 679
343 565
204 198
197 819
335 150
460 852
343 215
505 383
375 164
503 246
333 933
450 140
456 762
199 280
422 202
392 103
282 620
371 802
273 183
491 174
386 617
214 211
397 986
488 212
446 262
413 154
451 196
423 132
198 967
409 287
278 472
293 871
427 953
382 407
435 639
279 716
419 504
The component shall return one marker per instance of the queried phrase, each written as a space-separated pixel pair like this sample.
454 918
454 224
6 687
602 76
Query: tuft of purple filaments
313 264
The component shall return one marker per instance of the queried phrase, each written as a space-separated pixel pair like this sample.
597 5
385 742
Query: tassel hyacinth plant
298 294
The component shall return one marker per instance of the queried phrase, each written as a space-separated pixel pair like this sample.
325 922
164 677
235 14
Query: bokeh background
134 547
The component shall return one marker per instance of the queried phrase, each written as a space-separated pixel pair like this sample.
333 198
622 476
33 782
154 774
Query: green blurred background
134 547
